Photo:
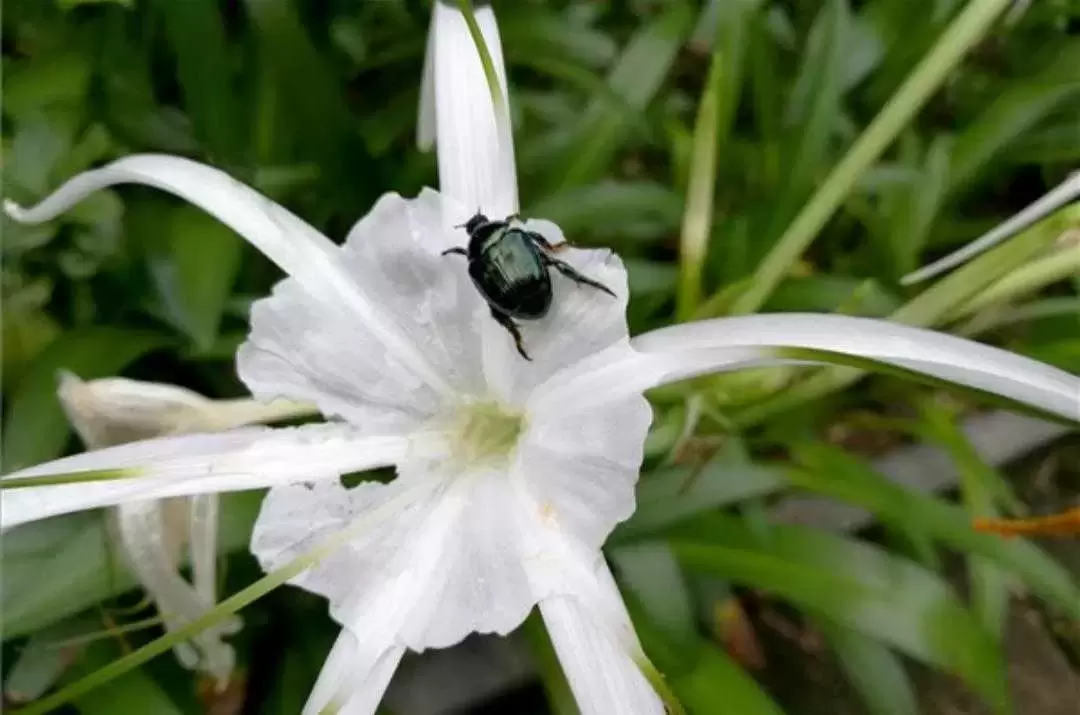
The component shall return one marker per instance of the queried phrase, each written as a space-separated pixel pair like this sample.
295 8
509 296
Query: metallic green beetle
509 266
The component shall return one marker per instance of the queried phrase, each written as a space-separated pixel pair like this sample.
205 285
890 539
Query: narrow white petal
145 536
242 459
620 372
474 142
310 258
355 675
1060 195
203 515
932 353
287 240
425 120
595 640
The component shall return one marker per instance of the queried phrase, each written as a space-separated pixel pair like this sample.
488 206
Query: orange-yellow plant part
1065 523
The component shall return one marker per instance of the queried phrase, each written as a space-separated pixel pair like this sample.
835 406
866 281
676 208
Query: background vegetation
617 107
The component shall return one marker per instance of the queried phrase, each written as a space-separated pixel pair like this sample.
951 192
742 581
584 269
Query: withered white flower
509 474
152 533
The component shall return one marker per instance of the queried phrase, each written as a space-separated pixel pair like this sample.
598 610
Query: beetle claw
511 327
572 273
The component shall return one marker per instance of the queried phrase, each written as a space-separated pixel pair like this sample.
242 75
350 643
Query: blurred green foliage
314 104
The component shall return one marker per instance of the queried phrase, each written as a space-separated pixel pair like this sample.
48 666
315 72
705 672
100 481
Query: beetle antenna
473 218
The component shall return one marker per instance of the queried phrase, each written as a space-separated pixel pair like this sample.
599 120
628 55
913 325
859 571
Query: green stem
92 475
964 32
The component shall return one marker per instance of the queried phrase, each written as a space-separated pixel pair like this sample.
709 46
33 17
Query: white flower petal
592 633
145 534
936 354
619 372
311 259
683 351
249 458
115 410
425 115
203 526
582 322
354 676
474 143
1060 195
446 565
581 468
304 348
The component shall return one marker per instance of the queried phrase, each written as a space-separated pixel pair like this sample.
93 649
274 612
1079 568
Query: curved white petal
580 468
592 633
725 344
312 260
425 114
473 138
144 530
620 372
447 565
355 675
1060 195
936 354
242 459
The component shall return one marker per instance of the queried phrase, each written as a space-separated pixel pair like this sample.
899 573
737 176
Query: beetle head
475 222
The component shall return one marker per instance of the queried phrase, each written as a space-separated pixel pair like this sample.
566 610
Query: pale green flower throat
487 433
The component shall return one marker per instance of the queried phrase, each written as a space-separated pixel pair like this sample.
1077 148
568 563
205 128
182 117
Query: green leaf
873 669
612 209
528 32
813 110
133 692
59 567
717 686
194 268
303 115
830 471
855 584
196 32
636 76
1016 110
960 36
675 495
983 488
716 112
35 428
651 573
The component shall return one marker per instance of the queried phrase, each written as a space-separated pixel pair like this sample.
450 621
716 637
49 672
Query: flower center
487 433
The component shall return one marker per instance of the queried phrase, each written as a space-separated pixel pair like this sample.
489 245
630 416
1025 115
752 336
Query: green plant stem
964 32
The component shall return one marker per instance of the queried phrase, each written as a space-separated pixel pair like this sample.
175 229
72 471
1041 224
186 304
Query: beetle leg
457 249
548 245
507 322
572 273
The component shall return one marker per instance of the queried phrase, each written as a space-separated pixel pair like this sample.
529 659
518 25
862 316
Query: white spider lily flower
509 474
153 533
